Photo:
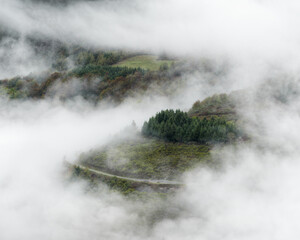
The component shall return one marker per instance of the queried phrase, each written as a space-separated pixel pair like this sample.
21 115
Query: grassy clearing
148 158
147 62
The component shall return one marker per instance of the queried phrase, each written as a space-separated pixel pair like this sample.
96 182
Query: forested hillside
92 82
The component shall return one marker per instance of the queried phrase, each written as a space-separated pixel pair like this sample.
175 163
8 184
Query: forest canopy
177 126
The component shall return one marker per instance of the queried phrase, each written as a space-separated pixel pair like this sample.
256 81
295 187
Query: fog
254 35
35 202
253 196
260 30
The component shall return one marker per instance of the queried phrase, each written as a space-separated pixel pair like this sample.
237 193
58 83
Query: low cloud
254 36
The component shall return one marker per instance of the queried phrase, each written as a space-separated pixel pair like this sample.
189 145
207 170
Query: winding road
159 182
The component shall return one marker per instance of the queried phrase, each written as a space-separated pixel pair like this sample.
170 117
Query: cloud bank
253 35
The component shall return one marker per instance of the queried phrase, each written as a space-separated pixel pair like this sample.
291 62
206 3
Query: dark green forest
107 72
177 126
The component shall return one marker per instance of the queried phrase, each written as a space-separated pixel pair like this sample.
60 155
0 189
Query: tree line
177 126
108 72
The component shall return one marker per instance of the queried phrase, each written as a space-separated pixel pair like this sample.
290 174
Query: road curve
160 182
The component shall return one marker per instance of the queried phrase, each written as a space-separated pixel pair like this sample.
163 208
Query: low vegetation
147 158
218 105
120 185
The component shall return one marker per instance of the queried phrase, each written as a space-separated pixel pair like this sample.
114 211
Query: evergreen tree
177 126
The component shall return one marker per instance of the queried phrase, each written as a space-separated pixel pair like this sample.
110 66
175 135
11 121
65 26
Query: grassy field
147 62
148 158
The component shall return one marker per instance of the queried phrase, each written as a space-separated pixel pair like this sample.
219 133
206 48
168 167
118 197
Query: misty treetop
177 126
